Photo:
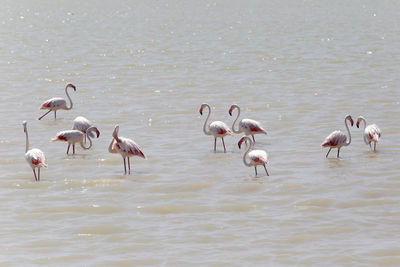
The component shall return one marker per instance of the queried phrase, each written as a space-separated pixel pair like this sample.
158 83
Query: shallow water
296 67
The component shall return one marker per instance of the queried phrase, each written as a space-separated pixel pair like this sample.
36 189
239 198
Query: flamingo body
35 157
82 124
246 126
371 133
338 139
216 128
57 103
125 147
72 137
256 157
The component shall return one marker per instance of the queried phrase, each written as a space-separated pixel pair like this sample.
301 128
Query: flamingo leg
34 173
255 169
38 171
223 144
68 148
338 151
374 146
73 148
55 114
370 147
44 115
328 152
129 166
124 165
215 144
254 140
266 170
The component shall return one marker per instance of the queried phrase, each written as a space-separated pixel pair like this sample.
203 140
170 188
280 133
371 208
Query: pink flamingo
57 103
246 126
216 128
257 157
73 137
337 139
82 124
35 157
126 147
372 133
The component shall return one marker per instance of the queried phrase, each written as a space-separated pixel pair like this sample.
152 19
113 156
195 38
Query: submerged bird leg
338 151
266 170
254 140
44 115
328 152
55 114
129 166
68 148
38 171
374 146
73 148
223 144
215 144
255 169
124 165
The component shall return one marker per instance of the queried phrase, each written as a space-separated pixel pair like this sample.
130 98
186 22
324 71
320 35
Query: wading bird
126 147
216 128
57 103
35 157
257 157
337 139
246 126
372 133
73 137
82 124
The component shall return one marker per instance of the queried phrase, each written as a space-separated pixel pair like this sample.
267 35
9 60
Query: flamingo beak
98 133
201 111
358 124
351 121
230 112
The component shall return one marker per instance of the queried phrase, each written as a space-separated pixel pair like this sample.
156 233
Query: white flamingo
216 128
246 126
57 103
337 139
35 157
372 133
82 124
73 137
257 157
126 147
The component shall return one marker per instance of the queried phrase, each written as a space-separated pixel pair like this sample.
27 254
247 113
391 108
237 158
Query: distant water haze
297 67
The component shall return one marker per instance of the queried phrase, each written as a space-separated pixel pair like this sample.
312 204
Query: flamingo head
201 108
24 124
359 119
243 139
348 117
232 108
115 133
72 86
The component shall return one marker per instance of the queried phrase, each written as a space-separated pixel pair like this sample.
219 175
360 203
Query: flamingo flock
84 130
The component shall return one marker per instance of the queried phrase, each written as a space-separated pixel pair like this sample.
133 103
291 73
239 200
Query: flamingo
126 147
257 157
337 139
372 133
216 128
248 126
82 124
35 157
73 137
57 103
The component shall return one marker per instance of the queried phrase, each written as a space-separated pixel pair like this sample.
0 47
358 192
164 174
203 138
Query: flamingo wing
219 128
128 147
251 126
336 138
53 103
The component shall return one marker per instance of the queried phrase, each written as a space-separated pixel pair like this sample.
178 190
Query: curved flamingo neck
365 122
237 117
247 151
348 131
70 100
90 143
26 139
207 132
110 147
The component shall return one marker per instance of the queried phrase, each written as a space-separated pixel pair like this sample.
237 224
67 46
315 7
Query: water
298 67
